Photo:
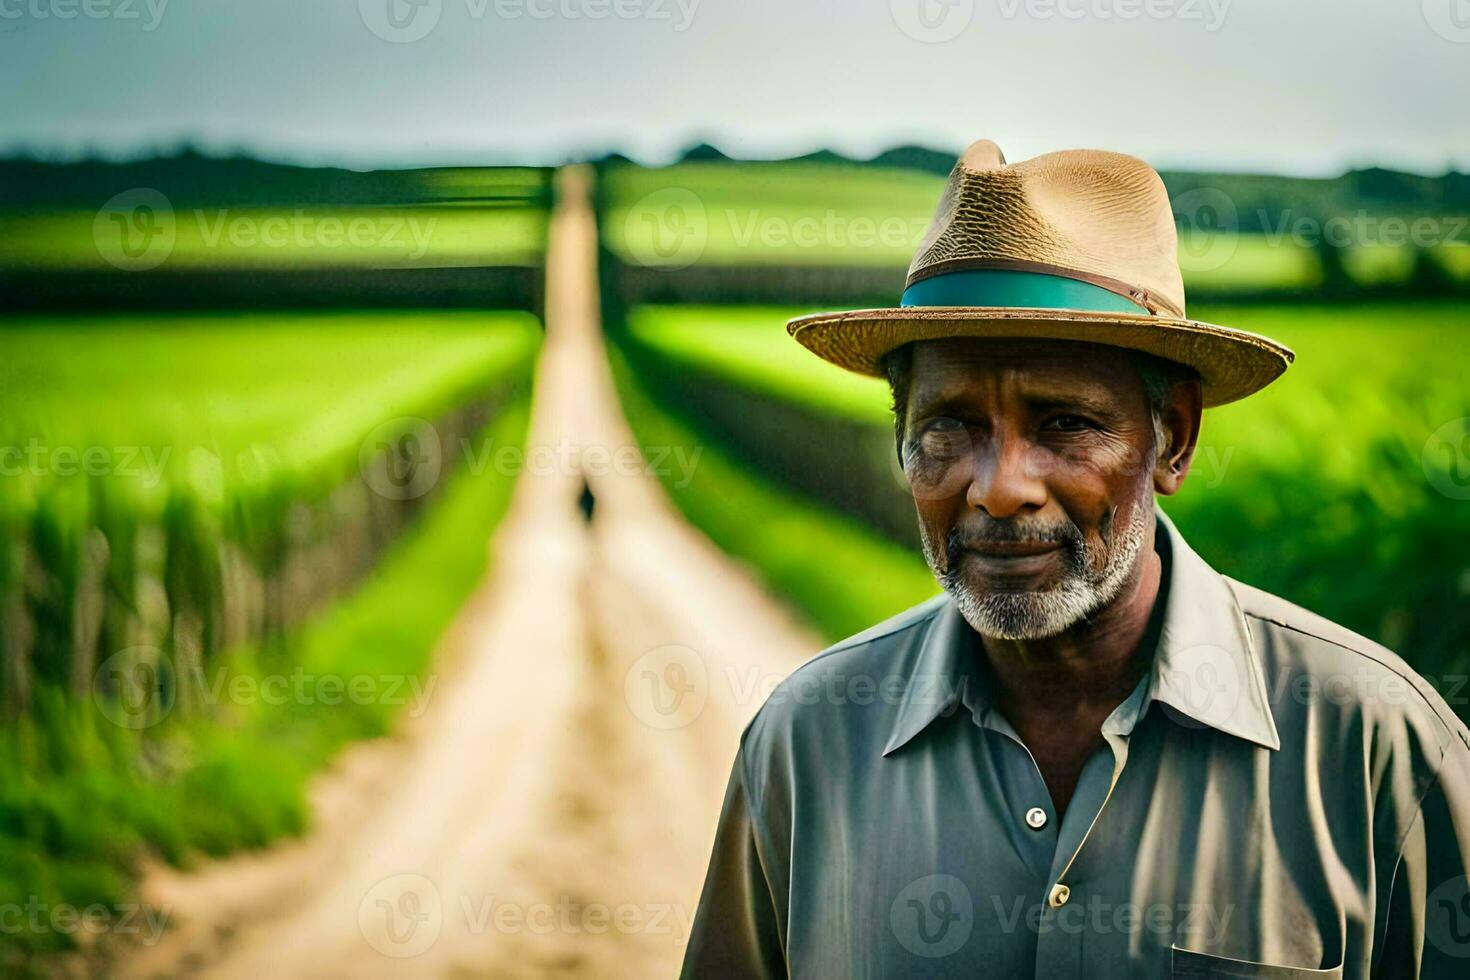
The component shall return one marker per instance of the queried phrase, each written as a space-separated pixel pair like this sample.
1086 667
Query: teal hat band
1007 287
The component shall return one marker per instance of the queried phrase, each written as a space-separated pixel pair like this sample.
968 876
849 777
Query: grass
1338 487
81 800
805 552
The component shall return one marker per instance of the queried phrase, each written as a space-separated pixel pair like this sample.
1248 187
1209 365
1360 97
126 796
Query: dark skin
1027 433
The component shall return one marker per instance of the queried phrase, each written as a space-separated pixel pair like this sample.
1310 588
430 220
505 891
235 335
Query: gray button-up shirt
1279 797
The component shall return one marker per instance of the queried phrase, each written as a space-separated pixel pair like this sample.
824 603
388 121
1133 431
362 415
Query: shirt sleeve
735 930
1428 929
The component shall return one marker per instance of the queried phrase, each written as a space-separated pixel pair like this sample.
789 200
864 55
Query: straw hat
1074 245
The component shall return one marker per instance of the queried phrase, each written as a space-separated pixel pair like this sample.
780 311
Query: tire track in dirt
552 813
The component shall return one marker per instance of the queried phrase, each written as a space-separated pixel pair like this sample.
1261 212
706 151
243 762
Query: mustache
991 531
1007 532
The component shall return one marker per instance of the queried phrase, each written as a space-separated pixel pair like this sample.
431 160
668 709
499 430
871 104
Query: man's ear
1181 424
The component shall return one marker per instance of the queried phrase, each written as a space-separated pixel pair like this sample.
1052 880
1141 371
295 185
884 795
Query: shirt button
1059 896
1036 818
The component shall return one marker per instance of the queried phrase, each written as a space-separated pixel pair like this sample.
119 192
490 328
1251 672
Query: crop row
173 489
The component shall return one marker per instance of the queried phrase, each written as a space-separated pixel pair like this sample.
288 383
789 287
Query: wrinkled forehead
953 367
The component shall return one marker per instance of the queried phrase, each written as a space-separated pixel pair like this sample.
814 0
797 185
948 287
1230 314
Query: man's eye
944 438
943 425
1069 423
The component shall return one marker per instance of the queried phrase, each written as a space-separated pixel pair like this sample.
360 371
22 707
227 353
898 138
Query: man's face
1032 465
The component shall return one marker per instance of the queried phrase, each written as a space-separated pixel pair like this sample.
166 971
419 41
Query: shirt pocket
1204 966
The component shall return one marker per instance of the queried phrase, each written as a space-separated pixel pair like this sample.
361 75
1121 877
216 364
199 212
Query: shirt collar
1205 670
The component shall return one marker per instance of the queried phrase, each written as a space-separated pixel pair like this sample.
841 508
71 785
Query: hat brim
1231 363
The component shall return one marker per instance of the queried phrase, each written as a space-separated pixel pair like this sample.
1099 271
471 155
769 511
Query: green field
224 215
767 214
408 237
1337 487
749 346
166 480
221 396
822 214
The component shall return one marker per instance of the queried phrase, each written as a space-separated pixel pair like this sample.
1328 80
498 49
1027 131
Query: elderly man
1092 755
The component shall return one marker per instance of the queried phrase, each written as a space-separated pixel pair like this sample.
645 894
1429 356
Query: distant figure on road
586 501
1092 755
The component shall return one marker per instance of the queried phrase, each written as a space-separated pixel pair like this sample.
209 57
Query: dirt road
552 813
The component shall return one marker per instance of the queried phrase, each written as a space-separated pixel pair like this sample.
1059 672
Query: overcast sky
1302 86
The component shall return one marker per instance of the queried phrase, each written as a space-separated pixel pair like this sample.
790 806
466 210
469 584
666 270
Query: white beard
1036 615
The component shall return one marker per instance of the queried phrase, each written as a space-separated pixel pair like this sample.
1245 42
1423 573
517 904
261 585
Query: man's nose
1008 479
